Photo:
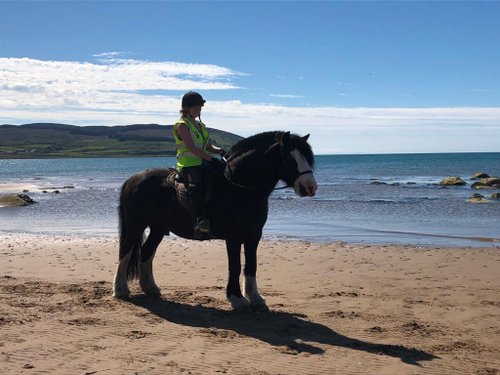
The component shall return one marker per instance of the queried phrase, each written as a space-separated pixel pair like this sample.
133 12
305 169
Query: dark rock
378 183
479 175
495 196
452 181
487 183
480 185
491 181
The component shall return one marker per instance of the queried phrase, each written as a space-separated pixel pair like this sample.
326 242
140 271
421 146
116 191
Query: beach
335 308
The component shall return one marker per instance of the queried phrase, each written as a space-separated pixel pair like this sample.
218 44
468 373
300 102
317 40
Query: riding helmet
192 99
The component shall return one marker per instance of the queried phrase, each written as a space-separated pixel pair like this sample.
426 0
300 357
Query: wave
403 200
437 235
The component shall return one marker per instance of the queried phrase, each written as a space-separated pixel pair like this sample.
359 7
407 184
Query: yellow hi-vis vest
186 158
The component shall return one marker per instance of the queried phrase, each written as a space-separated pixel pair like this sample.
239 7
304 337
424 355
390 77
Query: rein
229 179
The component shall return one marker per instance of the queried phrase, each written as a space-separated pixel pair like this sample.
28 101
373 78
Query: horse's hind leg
146 280
120 285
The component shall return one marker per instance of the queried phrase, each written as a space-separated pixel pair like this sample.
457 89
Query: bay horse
237 210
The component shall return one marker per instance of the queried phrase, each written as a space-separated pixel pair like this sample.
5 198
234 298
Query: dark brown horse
237 210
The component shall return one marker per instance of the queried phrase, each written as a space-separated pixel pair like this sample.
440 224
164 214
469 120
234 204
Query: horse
237 210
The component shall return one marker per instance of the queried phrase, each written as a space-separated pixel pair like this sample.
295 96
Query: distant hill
46 140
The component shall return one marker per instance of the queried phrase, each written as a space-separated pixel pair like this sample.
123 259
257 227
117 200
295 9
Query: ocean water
383 199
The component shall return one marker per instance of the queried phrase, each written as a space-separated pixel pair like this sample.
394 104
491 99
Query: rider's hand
216 163
222 152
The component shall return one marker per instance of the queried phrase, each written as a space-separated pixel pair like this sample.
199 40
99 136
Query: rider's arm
185 135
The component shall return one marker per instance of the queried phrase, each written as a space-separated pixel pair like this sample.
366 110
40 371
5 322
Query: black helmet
192 99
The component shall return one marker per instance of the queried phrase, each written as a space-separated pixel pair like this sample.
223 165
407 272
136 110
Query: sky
360 77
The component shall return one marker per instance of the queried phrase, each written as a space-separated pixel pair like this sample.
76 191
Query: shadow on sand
274 328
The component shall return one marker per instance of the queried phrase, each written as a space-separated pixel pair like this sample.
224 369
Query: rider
193 148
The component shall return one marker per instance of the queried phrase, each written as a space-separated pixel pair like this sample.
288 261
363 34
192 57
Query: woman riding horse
193 148
237 210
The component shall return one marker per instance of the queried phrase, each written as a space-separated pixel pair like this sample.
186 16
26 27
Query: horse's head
296 163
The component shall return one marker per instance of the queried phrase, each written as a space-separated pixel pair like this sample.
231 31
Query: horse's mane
262 141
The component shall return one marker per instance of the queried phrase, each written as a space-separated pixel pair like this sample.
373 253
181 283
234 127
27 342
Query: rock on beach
15 200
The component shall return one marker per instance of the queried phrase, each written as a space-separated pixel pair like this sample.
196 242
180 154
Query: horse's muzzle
306 186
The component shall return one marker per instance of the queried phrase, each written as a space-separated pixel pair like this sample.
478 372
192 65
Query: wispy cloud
286 96
111 54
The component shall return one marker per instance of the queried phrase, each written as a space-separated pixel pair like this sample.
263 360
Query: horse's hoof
238 303
152 292
121 294
256 300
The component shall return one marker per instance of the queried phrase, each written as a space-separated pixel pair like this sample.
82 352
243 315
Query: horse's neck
254 171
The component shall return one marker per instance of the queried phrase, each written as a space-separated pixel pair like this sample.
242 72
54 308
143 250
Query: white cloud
113 74
110 54
287 96
112 92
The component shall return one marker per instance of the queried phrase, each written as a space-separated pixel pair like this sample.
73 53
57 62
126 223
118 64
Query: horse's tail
131 236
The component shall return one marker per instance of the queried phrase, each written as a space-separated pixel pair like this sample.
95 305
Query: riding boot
196 194
201 223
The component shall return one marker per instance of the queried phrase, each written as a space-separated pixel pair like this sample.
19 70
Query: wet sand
334 309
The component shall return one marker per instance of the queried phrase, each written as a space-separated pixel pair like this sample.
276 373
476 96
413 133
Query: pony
237 209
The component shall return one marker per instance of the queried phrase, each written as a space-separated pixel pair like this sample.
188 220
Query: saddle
175 180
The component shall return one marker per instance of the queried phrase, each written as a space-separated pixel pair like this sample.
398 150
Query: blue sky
361 77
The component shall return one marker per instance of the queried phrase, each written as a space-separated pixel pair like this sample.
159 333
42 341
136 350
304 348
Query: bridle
230 177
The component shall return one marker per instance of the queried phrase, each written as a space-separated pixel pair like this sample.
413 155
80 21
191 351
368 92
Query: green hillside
59 140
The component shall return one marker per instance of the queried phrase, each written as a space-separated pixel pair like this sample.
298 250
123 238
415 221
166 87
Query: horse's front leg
251 291
233 290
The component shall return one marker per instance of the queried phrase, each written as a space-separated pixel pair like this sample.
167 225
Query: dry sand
334 309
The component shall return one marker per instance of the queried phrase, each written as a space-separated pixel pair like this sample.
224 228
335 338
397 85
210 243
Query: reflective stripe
186 158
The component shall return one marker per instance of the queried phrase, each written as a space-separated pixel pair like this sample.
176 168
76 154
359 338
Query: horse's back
146 186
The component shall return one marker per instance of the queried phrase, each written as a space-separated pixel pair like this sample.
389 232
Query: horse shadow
279 329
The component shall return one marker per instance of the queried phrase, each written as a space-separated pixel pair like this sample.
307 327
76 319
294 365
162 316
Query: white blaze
306 181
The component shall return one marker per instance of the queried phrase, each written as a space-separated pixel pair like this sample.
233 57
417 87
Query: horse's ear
306 137
285 139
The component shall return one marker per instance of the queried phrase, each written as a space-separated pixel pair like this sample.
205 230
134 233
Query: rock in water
477 198
479 175
491 181
487 183
452 181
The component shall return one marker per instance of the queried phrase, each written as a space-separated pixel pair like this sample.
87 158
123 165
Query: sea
361 199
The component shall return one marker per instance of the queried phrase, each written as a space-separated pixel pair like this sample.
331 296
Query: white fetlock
238 303
252 293
120 285
121 292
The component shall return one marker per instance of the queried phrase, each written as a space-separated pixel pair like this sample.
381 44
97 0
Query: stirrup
202 226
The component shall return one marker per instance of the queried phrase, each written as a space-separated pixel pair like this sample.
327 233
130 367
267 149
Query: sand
334 309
